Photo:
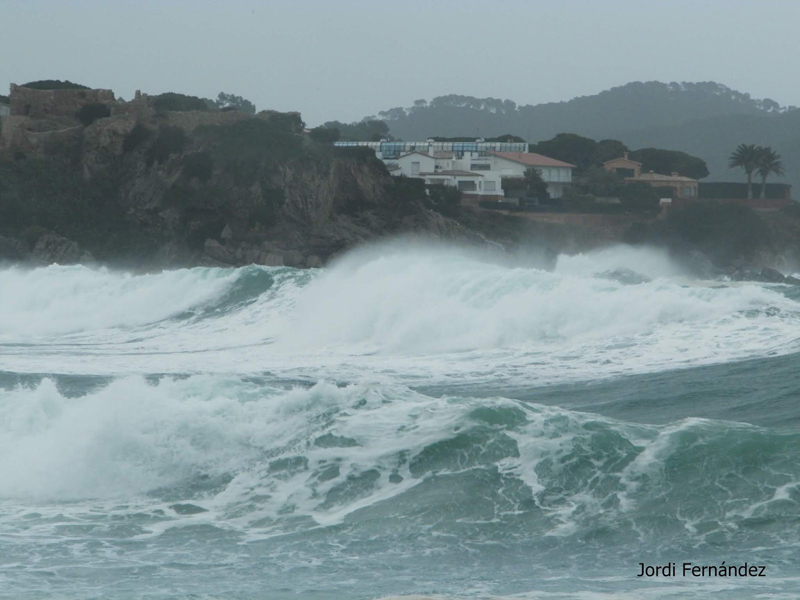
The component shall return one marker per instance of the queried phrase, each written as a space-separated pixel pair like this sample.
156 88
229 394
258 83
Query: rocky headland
89 178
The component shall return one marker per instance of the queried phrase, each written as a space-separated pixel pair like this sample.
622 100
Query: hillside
133 184
705 119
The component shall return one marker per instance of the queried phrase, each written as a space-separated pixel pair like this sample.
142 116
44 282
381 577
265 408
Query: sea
412 421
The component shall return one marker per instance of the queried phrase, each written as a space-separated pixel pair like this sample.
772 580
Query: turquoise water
409 421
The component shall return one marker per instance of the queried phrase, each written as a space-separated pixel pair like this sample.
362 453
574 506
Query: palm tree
746 157
768 162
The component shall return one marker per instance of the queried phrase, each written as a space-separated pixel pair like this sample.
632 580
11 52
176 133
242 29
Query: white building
556 173
443 169
475 168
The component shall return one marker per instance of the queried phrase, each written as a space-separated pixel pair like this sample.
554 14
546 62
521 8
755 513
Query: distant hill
705 119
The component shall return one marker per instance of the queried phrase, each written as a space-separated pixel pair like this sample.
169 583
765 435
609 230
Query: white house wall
426 164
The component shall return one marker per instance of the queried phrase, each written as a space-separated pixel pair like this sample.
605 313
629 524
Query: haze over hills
706 119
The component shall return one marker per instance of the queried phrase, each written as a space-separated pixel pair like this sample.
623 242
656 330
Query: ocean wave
429 314
263 460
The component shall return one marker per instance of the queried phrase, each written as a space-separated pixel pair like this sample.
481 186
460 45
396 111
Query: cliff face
199 188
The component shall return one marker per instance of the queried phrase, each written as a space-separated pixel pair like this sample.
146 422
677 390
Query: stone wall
19 140
191 120
37 104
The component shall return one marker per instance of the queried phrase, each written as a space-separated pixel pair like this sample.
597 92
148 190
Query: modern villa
477 169
630 170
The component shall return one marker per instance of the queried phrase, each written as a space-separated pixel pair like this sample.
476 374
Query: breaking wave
428 313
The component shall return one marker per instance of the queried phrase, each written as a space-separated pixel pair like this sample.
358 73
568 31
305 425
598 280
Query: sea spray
424 313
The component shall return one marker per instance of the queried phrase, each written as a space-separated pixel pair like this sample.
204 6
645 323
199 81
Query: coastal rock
12 249
216 251
52 248
252 255
624 276
760 274
771 276
313 262
271 259
293 258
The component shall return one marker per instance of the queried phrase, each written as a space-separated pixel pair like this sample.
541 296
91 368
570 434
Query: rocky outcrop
42 104
761 275
52 248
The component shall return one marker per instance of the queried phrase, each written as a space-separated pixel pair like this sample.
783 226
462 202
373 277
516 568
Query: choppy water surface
407 421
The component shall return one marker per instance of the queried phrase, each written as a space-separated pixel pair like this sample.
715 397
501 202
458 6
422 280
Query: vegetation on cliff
727 233
251 189
54 84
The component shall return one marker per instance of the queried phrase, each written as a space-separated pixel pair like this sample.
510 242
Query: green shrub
637 196
444 199
54 84
245 150
89 113
171 140
38 195
406 191
722 231
198 165
730 189
288 122
265 214
324 135
135 137
171 101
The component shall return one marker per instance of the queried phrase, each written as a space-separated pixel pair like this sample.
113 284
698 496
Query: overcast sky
345 59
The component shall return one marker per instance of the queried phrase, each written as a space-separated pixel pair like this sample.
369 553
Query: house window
415 168
466 186
489 186
625 173
687 191
480 167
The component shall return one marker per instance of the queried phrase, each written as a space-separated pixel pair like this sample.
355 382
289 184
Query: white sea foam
56 300
423 314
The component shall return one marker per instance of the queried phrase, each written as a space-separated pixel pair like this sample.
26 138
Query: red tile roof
532 160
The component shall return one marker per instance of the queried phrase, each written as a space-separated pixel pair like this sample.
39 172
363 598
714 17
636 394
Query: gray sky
345 59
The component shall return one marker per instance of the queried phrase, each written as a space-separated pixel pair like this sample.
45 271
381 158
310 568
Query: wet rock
252 255
216 251
759 274
313 261
293 258
625 276
271 259
52 248
771 275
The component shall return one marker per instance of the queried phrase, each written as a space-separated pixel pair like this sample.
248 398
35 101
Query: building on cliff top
477 169
680 186
630 171
38 104
623 166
